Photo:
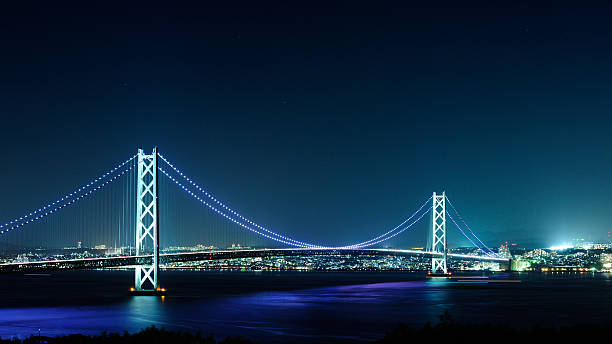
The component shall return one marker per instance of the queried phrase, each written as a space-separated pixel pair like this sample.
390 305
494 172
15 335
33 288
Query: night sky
325 123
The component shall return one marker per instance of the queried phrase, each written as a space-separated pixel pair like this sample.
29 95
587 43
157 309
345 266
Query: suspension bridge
122 224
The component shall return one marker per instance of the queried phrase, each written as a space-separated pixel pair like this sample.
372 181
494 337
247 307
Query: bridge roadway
165 258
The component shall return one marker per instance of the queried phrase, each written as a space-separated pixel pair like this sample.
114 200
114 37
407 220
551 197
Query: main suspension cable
213 208
62 206
396 233
224 206
67 196
283 239
466 225
367 243
465 235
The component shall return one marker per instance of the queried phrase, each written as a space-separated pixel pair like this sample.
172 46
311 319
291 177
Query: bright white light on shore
560 247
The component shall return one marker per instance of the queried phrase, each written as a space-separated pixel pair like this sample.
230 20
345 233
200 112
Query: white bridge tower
438 262
147 224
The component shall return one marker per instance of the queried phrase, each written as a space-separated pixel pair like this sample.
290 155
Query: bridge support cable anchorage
64 205
239 219
468 227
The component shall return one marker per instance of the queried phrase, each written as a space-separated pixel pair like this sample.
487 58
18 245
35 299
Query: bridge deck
104 262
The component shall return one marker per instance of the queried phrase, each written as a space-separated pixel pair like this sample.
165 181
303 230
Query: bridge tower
438 263
147 224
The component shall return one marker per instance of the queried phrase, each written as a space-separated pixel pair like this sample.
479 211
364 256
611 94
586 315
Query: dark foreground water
294 306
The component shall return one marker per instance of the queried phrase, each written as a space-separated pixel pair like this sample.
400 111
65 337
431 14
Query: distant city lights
560 247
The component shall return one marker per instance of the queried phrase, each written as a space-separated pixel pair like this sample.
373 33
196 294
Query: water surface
293 306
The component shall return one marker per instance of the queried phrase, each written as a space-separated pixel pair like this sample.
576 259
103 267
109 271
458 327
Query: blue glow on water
290 306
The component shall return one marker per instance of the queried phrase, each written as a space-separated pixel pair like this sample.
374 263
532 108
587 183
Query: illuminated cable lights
298 243
462 232
222 210
69 203
292 243
213 208
466 225
367 243
394 234
68 195
222 205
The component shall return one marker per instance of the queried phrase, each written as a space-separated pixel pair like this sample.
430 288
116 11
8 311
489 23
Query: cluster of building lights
560 247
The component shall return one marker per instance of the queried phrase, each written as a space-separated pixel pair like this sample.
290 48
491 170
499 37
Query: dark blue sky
325 122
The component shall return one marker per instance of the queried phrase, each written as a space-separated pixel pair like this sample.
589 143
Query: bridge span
128 215
166 258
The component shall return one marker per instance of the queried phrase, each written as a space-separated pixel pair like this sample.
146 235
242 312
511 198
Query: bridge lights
155 292
147 225
438 263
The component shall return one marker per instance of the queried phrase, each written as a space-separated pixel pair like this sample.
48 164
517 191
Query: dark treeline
150 335
445 330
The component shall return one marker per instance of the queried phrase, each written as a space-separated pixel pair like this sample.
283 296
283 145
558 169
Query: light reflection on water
349 311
